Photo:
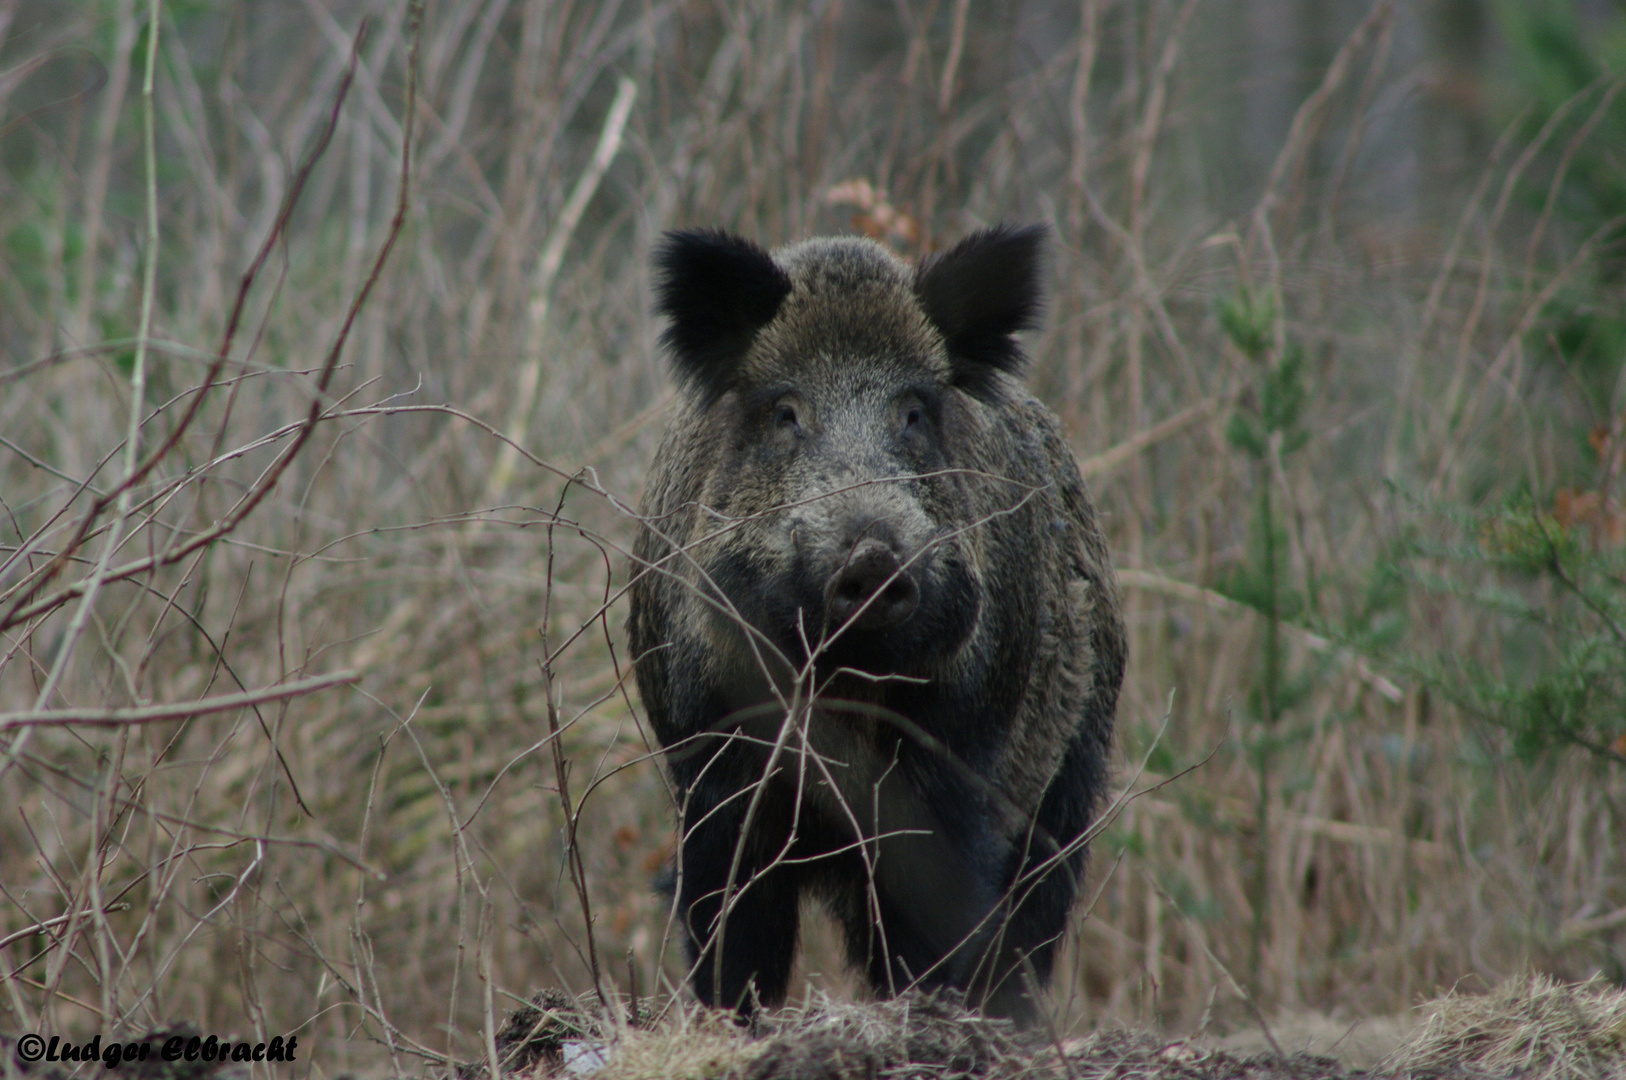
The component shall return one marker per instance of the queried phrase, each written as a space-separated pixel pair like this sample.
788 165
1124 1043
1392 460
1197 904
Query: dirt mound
1529 1028
925 1036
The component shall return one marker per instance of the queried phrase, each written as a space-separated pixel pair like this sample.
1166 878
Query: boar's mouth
874 611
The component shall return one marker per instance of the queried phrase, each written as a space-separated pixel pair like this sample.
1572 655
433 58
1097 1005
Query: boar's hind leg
759 933
905 938
1047 883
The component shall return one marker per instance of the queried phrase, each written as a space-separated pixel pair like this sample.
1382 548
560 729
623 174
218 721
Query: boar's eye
914 417
784 418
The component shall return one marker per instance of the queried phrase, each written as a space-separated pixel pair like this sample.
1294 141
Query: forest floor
1526 1029
1530 1028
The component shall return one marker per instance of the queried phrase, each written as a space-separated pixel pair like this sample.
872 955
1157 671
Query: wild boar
875 624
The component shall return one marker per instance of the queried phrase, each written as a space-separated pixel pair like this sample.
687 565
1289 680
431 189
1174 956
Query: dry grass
1532 1028
1528 1028
382 865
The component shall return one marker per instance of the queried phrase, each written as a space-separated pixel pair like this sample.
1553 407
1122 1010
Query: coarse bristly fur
875 623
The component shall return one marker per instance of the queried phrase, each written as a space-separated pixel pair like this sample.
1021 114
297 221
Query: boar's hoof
872 590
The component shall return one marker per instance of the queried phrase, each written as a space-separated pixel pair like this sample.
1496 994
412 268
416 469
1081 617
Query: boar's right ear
718 291
979 293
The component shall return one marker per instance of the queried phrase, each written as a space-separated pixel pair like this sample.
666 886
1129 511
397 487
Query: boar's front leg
757 937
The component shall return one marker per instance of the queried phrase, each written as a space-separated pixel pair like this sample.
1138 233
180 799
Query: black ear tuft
718 291
979 293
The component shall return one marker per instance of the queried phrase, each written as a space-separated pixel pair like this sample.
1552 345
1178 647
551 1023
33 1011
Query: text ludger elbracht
31 1048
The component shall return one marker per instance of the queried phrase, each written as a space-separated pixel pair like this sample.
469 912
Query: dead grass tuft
1531 1028
557 1034
931 1031
704 1048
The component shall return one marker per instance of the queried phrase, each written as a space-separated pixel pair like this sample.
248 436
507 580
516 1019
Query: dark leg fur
759 934
894 954
1044 886
1000 956
993 962
907 947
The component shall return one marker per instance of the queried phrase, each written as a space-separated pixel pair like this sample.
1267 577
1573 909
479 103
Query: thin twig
228 336
151 714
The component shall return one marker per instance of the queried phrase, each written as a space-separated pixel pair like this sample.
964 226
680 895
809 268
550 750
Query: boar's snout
872 576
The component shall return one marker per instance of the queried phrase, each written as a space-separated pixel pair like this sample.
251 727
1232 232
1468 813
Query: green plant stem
1270 683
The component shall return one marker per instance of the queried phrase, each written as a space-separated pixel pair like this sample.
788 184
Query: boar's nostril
871 590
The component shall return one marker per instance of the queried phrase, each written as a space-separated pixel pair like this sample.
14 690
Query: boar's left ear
718 290
979 293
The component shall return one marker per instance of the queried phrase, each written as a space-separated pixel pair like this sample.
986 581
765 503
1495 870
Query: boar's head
838 397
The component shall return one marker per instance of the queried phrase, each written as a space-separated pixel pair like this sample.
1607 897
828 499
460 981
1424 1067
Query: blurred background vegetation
1337 332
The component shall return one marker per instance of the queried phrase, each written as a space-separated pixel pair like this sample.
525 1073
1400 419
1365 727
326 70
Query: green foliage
1117 840
1549 668
1268 422
1250 322
1378 620
1558 55
1565 74
1274 409
1266 427
1524 539
1258 583
28 244
1192 900
1570 689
